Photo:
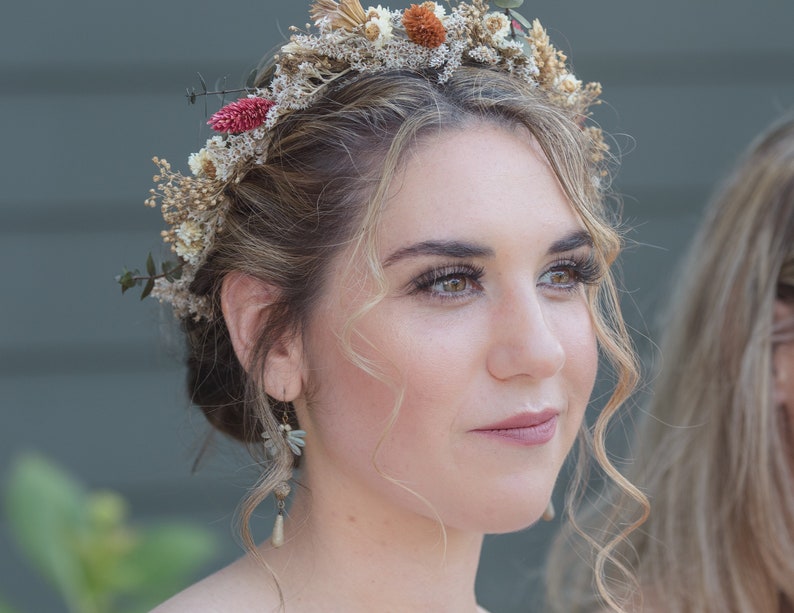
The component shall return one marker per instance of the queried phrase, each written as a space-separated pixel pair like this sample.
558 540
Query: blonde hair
711 452
321 188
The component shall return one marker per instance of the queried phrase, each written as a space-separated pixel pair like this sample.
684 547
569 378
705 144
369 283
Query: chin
509 517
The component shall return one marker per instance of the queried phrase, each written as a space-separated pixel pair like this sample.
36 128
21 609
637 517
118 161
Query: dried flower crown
345 39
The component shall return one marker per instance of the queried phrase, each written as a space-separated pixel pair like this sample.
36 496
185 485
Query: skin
400 501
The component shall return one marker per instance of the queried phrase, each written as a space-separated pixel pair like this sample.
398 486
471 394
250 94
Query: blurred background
90 91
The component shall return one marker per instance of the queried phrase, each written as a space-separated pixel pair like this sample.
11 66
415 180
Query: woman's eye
561 277
571 274
449 282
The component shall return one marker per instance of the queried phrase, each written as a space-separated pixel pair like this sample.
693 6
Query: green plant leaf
521 19
165 560
46 511
151 269
6 608
508 4
127 279
148 288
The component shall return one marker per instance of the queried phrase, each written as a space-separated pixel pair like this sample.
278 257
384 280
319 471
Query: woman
715 451
394 267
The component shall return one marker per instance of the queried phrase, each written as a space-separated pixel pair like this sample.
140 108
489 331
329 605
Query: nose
523 343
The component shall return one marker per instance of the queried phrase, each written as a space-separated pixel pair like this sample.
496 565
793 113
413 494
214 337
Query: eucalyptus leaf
521 19
148 288
508 4
47 515
127 279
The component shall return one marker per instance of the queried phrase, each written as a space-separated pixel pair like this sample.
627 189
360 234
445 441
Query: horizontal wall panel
103 146
155 31
61 289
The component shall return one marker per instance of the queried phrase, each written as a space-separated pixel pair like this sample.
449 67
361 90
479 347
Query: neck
353 552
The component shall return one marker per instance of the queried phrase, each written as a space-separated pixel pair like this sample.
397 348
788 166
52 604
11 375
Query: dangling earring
549 513
294 441
281 491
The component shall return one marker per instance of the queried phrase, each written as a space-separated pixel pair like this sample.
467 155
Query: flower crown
345 39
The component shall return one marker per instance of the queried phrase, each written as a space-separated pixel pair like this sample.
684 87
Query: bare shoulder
240 587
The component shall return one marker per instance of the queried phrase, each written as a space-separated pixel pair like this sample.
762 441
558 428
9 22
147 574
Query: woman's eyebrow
452 249
463 250
570 242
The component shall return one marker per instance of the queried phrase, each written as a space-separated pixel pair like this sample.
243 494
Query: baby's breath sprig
169 270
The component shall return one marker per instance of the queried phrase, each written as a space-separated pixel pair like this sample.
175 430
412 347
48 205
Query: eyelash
583 270
468 272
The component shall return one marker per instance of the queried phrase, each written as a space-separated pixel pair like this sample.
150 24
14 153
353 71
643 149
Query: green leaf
521 19
6 608
151 269
165 561
508 4
148 288
46 511
127 280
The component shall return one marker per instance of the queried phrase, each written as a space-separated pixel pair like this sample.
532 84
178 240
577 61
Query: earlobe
245 303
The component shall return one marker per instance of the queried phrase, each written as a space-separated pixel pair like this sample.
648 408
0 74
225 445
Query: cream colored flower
497 25
440 11
378 28
566 83
200 163
189 240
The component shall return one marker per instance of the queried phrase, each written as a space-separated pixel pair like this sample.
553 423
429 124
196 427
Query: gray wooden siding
90 90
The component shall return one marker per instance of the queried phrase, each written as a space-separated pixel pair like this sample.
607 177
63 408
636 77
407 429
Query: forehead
484 182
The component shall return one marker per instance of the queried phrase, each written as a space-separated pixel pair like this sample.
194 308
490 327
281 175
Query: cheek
352 402
577 335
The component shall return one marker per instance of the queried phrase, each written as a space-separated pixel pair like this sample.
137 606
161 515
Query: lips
525 429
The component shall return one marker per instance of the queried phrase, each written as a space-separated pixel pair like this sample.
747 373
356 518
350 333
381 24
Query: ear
783 359
245 303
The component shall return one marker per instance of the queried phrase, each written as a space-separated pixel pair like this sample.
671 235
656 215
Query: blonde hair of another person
714 449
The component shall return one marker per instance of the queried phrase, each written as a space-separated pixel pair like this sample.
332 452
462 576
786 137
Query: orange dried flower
423 27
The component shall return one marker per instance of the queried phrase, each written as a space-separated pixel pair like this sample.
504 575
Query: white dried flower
378 28
497 25
189 244
198 162
567 83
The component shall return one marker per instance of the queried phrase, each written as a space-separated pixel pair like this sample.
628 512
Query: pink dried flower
242 115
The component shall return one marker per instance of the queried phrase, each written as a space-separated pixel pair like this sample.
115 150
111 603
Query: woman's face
484 327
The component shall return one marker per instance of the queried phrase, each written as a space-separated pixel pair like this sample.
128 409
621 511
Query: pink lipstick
525 428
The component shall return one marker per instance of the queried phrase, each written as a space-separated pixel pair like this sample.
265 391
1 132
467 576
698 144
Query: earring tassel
277 537
281 492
